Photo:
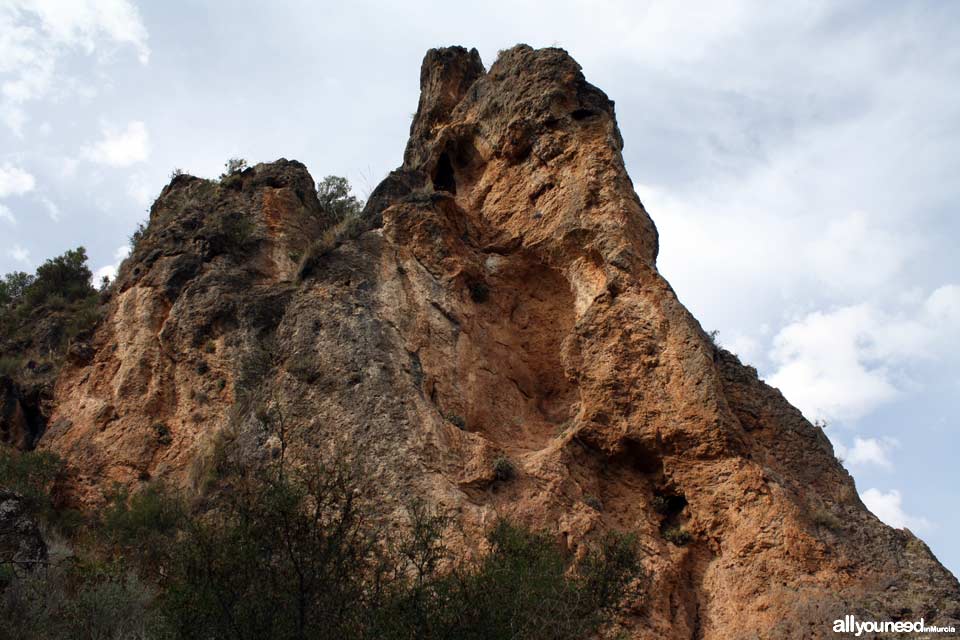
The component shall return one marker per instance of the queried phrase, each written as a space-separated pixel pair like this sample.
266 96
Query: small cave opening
583 114
640 456
668 504
273 182
479 291
443 176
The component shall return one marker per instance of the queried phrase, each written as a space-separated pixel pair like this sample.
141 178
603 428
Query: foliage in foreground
299 555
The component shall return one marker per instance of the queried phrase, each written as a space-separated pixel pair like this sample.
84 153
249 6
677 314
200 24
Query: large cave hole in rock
640 457
443 175
508 377
668 504
634 468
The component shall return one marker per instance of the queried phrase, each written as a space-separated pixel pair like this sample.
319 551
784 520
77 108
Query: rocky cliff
492 335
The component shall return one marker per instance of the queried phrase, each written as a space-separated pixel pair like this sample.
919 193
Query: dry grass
347 229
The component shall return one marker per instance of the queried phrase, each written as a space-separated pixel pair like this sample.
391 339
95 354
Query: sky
799 159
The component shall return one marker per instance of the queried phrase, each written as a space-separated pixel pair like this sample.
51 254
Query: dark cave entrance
443 177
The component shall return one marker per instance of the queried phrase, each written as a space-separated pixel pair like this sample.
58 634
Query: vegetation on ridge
346 212
297 553
41 314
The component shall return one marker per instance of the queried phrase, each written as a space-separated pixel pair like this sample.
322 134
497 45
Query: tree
300 555
281 558
233 166
67 276
13 287
335 199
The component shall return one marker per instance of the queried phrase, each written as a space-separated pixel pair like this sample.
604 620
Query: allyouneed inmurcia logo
850 624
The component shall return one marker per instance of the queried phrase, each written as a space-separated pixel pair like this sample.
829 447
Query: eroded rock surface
505 303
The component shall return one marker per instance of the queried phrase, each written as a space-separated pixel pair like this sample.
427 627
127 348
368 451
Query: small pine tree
335 199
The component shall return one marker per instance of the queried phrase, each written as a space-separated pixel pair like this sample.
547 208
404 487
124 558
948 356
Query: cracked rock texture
504 301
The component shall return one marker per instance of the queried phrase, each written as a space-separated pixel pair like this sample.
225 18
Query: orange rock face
504 305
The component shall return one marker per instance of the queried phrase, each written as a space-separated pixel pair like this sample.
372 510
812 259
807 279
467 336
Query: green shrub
66 276
235 232
40 315
233 166
137 236
162 431
677 535
133 519
219 460
279 559
526 587
83 318
503 469
660 504
821 517
297 556
77 599
32 475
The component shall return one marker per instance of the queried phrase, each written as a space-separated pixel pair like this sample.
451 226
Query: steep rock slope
503 305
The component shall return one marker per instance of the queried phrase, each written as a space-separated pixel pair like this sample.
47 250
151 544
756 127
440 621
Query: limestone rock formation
502 302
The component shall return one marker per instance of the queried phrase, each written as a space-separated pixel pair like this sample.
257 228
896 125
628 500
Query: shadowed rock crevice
22 418
444 178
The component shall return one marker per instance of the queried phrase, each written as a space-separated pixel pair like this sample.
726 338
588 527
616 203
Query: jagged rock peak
500 302
445 77
532 122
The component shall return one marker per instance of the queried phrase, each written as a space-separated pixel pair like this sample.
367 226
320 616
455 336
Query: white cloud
842 364
121 147
856 253
52 209
822 368
84 23
7 215
867 451
19 254
107 271
744 346
889 508
943 305
36 34
68 166
15 181
110 271
139 189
